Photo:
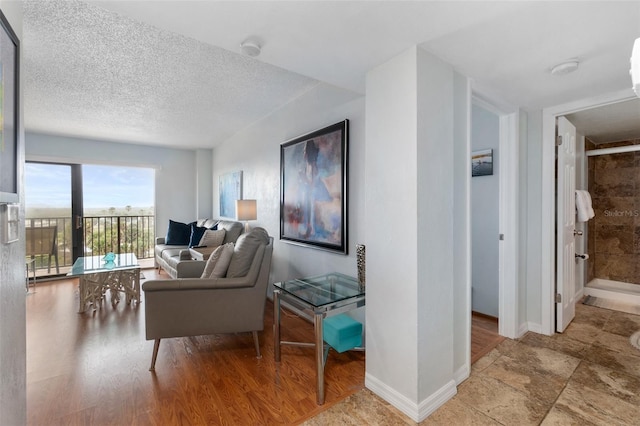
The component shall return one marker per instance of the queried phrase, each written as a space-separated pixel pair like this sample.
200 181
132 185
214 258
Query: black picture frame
9 108
314 189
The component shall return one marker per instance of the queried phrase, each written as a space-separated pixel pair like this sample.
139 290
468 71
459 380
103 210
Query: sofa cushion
232 228
207 223
218 262
178 234
196 235
244 251
172 257
212 238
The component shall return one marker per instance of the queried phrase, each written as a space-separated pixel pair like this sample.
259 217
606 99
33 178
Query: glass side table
321 296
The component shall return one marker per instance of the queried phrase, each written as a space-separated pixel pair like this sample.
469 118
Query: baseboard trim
462 374
534 327
417 412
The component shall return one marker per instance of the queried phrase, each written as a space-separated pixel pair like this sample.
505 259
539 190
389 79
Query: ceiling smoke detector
565 67
250 47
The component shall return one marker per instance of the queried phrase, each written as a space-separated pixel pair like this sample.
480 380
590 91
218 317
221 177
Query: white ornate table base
93 287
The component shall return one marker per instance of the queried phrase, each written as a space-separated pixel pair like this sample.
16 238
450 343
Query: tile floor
589 375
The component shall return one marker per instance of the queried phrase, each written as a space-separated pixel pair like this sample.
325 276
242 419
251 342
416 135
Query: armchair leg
257 343
156 345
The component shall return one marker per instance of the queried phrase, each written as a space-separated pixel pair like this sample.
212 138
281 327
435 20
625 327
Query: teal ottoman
342 332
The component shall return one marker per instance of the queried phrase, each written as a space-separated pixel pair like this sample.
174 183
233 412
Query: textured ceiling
90 72
150 71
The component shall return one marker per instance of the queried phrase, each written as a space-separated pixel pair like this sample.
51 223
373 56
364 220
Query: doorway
505 161
609 172
485 195
549 252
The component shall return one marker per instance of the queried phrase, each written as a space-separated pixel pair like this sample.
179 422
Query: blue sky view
49 185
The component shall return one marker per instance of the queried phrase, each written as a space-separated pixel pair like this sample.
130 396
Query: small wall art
230 188
482 163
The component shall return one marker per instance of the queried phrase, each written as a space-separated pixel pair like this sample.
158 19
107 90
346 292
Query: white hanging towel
584 209
587 196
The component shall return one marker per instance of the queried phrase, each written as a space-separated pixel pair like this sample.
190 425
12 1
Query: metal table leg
317 323
276 324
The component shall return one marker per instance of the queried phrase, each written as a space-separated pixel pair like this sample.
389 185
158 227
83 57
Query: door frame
508 206
548 202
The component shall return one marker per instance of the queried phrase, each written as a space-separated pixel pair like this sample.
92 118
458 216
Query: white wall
523 222
462 228
13 355
533 148
183 177
410 265
392 307
485 218
204 183
256 152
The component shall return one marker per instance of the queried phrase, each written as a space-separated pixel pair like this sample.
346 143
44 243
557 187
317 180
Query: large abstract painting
313 193
230 190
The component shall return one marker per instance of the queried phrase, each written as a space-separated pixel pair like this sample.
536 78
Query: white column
410 175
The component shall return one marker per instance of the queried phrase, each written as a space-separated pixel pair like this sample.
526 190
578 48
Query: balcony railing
101 234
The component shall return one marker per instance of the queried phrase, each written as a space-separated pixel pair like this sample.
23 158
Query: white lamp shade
246 210
635 67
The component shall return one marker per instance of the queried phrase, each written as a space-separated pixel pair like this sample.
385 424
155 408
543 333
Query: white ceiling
170 72
609 123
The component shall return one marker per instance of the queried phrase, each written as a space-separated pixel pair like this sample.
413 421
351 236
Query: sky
49 185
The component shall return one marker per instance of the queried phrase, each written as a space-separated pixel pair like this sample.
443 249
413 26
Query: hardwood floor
92 368
484 335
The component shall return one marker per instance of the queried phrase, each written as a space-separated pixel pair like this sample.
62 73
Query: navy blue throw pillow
178 234
196 234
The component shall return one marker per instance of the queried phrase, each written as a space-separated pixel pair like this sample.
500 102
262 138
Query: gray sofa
194 306
177 261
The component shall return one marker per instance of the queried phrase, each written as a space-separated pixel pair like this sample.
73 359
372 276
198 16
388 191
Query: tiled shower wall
614 233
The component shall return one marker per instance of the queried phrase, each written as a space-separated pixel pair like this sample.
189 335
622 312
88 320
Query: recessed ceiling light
565 67
250 47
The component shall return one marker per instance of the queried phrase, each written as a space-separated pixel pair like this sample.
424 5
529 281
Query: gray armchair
195 306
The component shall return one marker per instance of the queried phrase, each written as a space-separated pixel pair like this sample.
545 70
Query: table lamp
246 210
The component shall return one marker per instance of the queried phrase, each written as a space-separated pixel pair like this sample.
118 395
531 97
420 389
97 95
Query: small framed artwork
230 188
313 189
10 222
482 163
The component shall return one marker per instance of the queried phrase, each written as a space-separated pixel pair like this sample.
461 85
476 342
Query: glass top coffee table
321 296
97 276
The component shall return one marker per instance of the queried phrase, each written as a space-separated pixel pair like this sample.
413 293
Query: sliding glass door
77 210
53 202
